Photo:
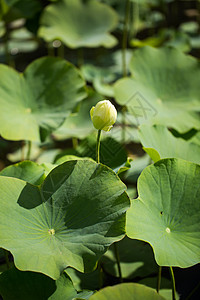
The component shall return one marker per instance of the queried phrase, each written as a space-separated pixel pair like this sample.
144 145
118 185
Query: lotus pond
99 149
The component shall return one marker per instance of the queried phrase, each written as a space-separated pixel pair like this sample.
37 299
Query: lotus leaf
166 212
79 23
154 140
69 220
163 89
131 291
41 98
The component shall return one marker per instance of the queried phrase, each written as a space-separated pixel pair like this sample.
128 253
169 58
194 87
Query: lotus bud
103 115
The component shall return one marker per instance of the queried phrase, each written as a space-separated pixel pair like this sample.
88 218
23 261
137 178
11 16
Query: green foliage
132 291
41 98
59 21
64 222
165 83
27 171
154 138
166 213
15 284
67 227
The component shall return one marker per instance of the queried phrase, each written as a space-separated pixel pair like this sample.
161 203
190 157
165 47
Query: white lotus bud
103 115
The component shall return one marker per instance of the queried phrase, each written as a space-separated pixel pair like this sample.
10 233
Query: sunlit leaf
163 89
166 213
154 139
42 97
131 291
79 23
69 220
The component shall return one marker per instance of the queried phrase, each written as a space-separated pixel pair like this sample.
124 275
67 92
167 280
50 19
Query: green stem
134 19
125 37
22 150
159 279
118 262
98 146
193 291
74 143
6 258
100 275
173 284
29 150
61 51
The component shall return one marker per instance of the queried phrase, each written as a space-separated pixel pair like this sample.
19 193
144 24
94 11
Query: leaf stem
118 262
98 146
125 37
173 284
74 143
159 279
100 275
29 150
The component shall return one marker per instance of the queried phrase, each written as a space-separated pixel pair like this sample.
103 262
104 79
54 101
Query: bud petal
103 115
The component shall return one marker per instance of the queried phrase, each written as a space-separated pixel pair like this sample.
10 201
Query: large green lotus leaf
166 213
124 291
27 170
156 136
15 284
79 23
42 97
136 259
163 89
69 220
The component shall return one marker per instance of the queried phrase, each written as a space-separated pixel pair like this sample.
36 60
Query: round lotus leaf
79 23
124 291
163 89
70 220
41 98
154 138
166 212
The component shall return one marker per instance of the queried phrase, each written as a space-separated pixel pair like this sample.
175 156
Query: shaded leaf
15 284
